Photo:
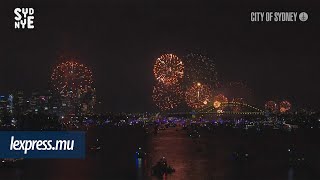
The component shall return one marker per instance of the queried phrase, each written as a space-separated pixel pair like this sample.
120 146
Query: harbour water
208 157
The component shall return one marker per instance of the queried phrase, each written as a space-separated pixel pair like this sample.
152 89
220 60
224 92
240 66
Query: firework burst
200 68
218 100
167 97
271 106
71 79
168 69
284 106
198 95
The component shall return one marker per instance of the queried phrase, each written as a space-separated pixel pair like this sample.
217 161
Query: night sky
120 40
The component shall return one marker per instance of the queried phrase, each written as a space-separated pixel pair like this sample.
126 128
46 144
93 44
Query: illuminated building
19 102
3 105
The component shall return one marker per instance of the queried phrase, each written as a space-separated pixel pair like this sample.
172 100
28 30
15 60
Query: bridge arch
235 108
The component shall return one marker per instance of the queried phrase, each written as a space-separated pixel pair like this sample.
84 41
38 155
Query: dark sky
119 40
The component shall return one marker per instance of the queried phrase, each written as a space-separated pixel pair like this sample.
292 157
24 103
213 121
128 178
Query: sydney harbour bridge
225 109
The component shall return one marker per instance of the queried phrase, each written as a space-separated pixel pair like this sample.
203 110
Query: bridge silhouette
226 108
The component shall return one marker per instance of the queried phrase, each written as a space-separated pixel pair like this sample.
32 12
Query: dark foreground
212 156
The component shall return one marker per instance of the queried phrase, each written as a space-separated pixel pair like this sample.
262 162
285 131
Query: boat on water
162 168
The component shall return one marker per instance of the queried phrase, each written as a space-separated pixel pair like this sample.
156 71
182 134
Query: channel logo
32 144
278 16
24 18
